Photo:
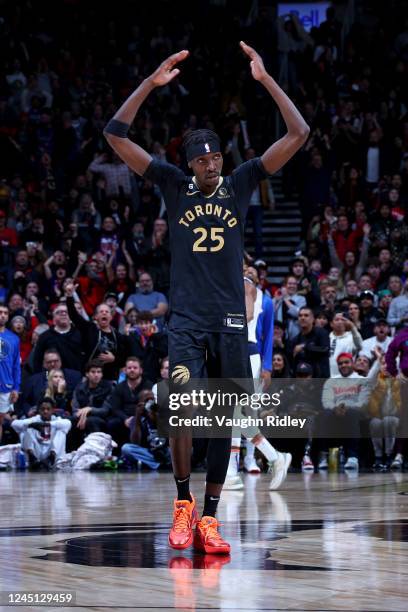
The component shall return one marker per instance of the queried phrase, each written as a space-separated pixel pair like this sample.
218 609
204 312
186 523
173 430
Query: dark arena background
86 485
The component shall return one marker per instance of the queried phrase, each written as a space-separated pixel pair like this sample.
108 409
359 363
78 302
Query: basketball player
259 309
207 325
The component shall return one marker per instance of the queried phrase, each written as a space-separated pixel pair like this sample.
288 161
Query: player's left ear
189 164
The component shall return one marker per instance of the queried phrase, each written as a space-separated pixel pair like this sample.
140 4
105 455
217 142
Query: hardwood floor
323 542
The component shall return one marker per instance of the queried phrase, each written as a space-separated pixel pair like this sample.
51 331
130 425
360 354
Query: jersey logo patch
180 375
223 193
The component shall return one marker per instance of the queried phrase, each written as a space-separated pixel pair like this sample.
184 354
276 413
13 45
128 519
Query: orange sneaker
207 538
184 519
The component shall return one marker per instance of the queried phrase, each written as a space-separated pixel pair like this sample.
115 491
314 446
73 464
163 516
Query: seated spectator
147 299
43 436
64 338
146 448
36 384
99 339
280 365
164 375
147 343
88 411
384 407
58 391
120 405
340 419
344 338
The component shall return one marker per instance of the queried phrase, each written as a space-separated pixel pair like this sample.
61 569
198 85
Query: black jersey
206 243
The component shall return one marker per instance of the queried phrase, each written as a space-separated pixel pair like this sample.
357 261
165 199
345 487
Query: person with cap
381 338
207 326
369 314
343 402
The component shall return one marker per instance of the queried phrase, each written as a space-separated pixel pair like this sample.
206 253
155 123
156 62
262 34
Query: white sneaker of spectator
323 465
307 464
351 464
397 463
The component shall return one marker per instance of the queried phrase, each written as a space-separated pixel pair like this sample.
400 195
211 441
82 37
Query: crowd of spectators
85 260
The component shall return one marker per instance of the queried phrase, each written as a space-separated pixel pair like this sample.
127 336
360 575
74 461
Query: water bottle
21 463
333 459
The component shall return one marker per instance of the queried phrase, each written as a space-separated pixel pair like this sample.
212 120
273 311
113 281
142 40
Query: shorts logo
180 375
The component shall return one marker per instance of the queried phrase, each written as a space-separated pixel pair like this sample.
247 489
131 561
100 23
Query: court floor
323 542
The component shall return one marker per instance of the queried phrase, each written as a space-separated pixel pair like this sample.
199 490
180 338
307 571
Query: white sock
250 449
267 449
236 443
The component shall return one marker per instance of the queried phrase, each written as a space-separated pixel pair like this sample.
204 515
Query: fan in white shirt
344 338
381 339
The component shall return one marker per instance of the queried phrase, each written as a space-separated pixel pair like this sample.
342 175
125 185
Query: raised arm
116 130
281 151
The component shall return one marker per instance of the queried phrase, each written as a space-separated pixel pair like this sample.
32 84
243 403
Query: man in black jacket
148 344
100 340
89 412
121 404
35 385
64 338
311 345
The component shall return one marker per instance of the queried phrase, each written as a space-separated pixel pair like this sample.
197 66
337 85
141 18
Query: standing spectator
398 310
116 174
148 344
344 338
287 304
311 345
64 338
99 339
381 339
147 299
10 372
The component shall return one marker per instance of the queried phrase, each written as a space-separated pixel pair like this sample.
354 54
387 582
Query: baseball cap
260 263
381 321
366 294
304 368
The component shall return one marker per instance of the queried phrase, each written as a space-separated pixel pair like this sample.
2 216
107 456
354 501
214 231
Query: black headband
195 149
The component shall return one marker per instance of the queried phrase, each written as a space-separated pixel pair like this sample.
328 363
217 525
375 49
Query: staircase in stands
281 234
